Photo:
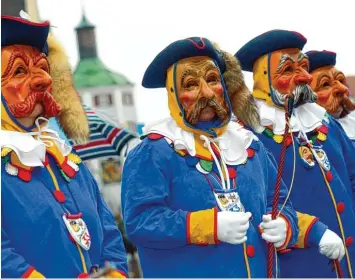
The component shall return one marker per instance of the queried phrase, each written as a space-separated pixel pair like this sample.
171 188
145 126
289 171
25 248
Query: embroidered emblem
78 230
306 155
229 201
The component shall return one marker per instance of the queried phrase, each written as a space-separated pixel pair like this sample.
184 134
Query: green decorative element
5 159
206 165
91 72
64 175
314 138
268 132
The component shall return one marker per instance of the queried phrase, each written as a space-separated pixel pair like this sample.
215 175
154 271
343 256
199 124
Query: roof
91 72
84 23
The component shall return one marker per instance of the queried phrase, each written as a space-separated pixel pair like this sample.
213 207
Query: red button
83 275
329 176
250 251
251 152
349 241
340 207
232 173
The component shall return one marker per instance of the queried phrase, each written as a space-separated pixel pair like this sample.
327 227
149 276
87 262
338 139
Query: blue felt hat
268 42
318 59
155 75
19 31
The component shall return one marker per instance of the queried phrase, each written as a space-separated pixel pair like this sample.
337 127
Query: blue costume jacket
162 190
34 199
334 205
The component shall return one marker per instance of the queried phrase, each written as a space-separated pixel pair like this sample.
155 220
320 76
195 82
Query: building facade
110 93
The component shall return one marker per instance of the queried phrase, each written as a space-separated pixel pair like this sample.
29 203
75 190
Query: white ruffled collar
348 124
232 154
30 151
305 118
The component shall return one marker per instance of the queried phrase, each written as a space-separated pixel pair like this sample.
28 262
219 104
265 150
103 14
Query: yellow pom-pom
278 138
74 158
321 136
5 151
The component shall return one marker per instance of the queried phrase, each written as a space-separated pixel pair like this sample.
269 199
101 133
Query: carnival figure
318 159
199 188
330 85
54 222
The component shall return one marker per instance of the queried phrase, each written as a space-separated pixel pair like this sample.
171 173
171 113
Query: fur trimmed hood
242 101
72 117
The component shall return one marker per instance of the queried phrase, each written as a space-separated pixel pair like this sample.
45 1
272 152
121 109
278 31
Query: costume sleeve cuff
310 230
116 274
32 273
316 232
288 233
201 227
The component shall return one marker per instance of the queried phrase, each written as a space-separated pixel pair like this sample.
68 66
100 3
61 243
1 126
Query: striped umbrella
107 138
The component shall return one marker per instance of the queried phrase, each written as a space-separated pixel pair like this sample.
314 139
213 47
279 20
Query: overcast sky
130 33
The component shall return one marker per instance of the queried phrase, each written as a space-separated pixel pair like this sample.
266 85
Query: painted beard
193 115
339 106
25 108
302 94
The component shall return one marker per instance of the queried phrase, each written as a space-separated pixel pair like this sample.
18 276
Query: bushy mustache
302 94
193 115
26 107
343 102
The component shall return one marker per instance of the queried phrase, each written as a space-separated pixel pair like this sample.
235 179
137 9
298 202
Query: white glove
275 231
232 226
331 246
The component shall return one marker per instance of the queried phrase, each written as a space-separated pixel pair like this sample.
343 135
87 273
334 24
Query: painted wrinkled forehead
331 71
327 73
9 54
281 57
195 66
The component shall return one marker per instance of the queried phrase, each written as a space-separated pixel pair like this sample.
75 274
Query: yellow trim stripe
55 181
246 259
339 221
82 258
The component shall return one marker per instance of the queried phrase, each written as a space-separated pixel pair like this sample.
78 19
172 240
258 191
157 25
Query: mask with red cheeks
25 82
333 94
200 90
290 77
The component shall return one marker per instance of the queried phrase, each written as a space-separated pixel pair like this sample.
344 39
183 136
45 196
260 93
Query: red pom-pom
340 207
349 241
323 129
232 173
59 196
24 175
329 176
251 152
155 136
250 251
